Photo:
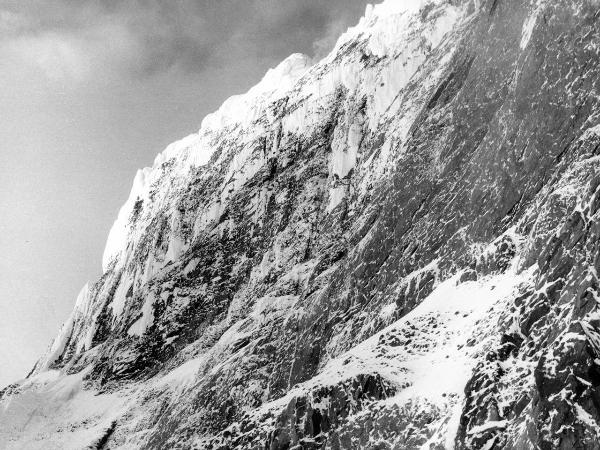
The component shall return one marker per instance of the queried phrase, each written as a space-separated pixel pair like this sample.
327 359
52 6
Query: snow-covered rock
393 247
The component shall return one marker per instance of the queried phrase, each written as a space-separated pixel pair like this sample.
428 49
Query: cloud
65 55
323 45
77 39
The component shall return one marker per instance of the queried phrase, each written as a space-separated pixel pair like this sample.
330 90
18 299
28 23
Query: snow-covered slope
395 247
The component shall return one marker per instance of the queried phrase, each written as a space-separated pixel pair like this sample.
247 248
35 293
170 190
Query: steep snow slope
395 247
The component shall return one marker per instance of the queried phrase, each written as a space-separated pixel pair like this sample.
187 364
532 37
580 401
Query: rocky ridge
395 247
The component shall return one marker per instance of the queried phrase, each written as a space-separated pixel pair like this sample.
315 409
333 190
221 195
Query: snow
491 425
457 311
58 414
378 17
529 24
387 311
441 341
393 31
174 150
345 149
140 326
177 244
344 156
308 88
190 150
336 195
595 130
527 30
587 419
269 304
120 296
59 344
241 109
117 236
452 426
183 374
195 150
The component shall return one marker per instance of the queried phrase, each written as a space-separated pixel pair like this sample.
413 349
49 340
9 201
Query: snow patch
445 334
140 326
57 413
491 425
529 24
240 109
182 375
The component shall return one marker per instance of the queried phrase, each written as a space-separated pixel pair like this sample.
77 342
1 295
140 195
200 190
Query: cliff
395 247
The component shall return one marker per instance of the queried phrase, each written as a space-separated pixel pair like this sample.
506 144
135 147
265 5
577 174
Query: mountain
396 247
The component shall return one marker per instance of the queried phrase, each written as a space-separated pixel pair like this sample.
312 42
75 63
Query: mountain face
396 247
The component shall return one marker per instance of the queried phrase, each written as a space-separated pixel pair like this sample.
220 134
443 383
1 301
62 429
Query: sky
91 90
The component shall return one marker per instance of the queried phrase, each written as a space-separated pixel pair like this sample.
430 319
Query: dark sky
89 92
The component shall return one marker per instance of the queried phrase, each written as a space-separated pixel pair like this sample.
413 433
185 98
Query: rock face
394 248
